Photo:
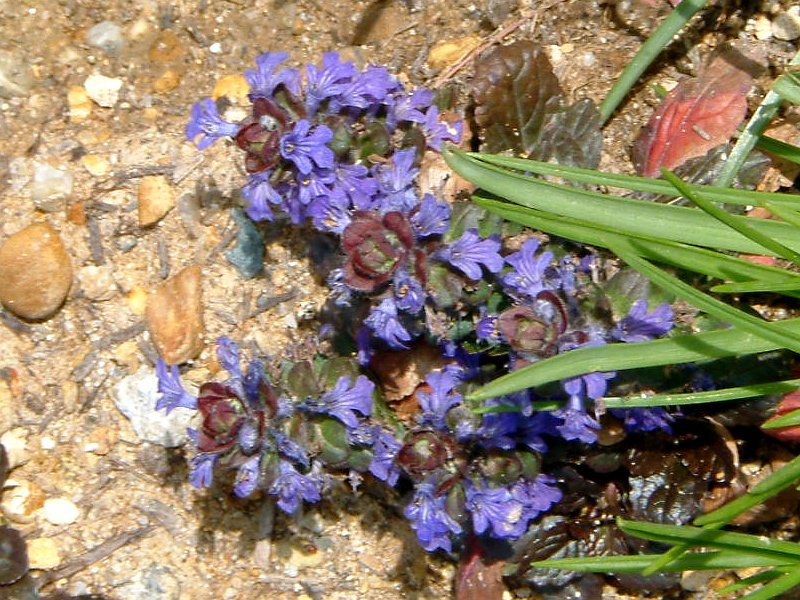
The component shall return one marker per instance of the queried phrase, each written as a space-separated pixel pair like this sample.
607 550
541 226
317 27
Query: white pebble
60 511
103 90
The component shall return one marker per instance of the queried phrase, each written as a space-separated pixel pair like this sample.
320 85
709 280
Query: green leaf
780 149
625 215
778 586
787 420
724 395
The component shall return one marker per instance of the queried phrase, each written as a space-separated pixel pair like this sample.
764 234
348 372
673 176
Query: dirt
58 375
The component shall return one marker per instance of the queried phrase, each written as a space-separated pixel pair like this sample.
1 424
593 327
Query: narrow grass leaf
724 395
776 587
695 561
780 149
755 286
762 577
728 219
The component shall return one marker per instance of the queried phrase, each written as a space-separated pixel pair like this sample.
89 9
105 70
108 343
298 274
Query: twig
94 555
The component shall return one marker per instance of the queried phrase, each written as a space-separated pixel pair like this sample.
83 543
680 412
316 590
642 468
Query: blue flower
343 401
406 108
486 330
330 213
396 181
430 217
264 80
528 275
341 294
208 125
201 470
645 419
409 294
364 345
495 510
440 400
471 251
228 356
290 448
259 193
327 81
436 132
367 89
383 321
536 496
312 186
641 326
292 487
576 424
305 148
358 184
429 517
247 477
385 450
172 393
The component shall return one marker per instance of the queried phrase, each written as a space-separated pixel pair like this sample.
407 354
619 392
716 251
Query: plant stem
647 54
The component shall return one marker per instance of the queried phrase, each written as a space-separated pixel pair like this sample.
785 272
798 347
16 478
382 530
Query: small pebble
16 444
21 499
51 187
762 28
97 283
126 243
16 75
152 583
231 86
36 272
215 48
156 199
43 553
174 316
104 91
786 25
106 36
166 82
60 511
96 165
80 105
448 52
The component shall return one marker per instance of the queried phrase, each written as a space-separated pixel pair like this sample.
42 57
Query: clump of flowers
339 148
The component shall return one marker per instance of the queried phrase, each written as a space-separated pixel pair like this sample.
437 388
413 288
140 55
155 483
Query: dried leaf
698 114
515 90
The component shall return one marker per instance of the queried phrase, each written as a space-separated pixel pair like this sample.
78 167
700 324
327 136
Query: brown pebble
166 82
174 316
155 199
35 271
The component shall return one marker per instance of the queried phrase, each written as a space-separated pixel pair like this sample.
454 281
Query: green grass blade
628 216
762 577
633 182
774 484
695 561
780 149
712 538
728 219
652 47
754 286
788 214
776 587
619 357
724 395
700 260
787 87
788 420
725 312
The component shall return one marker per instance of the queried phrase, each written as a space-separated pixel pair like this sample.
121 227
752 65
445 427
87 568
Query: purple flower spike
538 495
208 125
645 419
429 517
528 275
306 148
259 193
172 393
357 184
330 213
396 182
471 251
228 356
407 108
431 217
641 326
247 477
385 450
486 330
344 401
383 321
440 400
496 509
292 487
201 470
436 132
265 79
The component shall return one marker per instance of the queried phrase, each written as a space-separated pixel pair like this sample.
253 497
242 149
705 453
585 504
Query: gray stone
136 396
51 187
786 25
152 583
106 36
16 75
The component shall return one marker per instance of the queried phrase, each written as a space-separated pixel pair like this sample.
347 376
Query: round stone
36 272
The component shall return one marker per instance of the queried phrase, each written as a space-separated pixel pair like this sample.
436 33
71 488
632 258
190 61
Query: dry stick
94 555
493 39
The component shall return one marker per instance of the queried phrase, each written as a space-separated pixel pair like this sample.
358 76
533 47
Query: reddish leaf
697 115
789 403
478 578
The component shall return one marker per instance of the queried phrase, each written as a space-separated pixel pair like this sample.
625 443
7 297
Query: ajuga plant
705 253
338 149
